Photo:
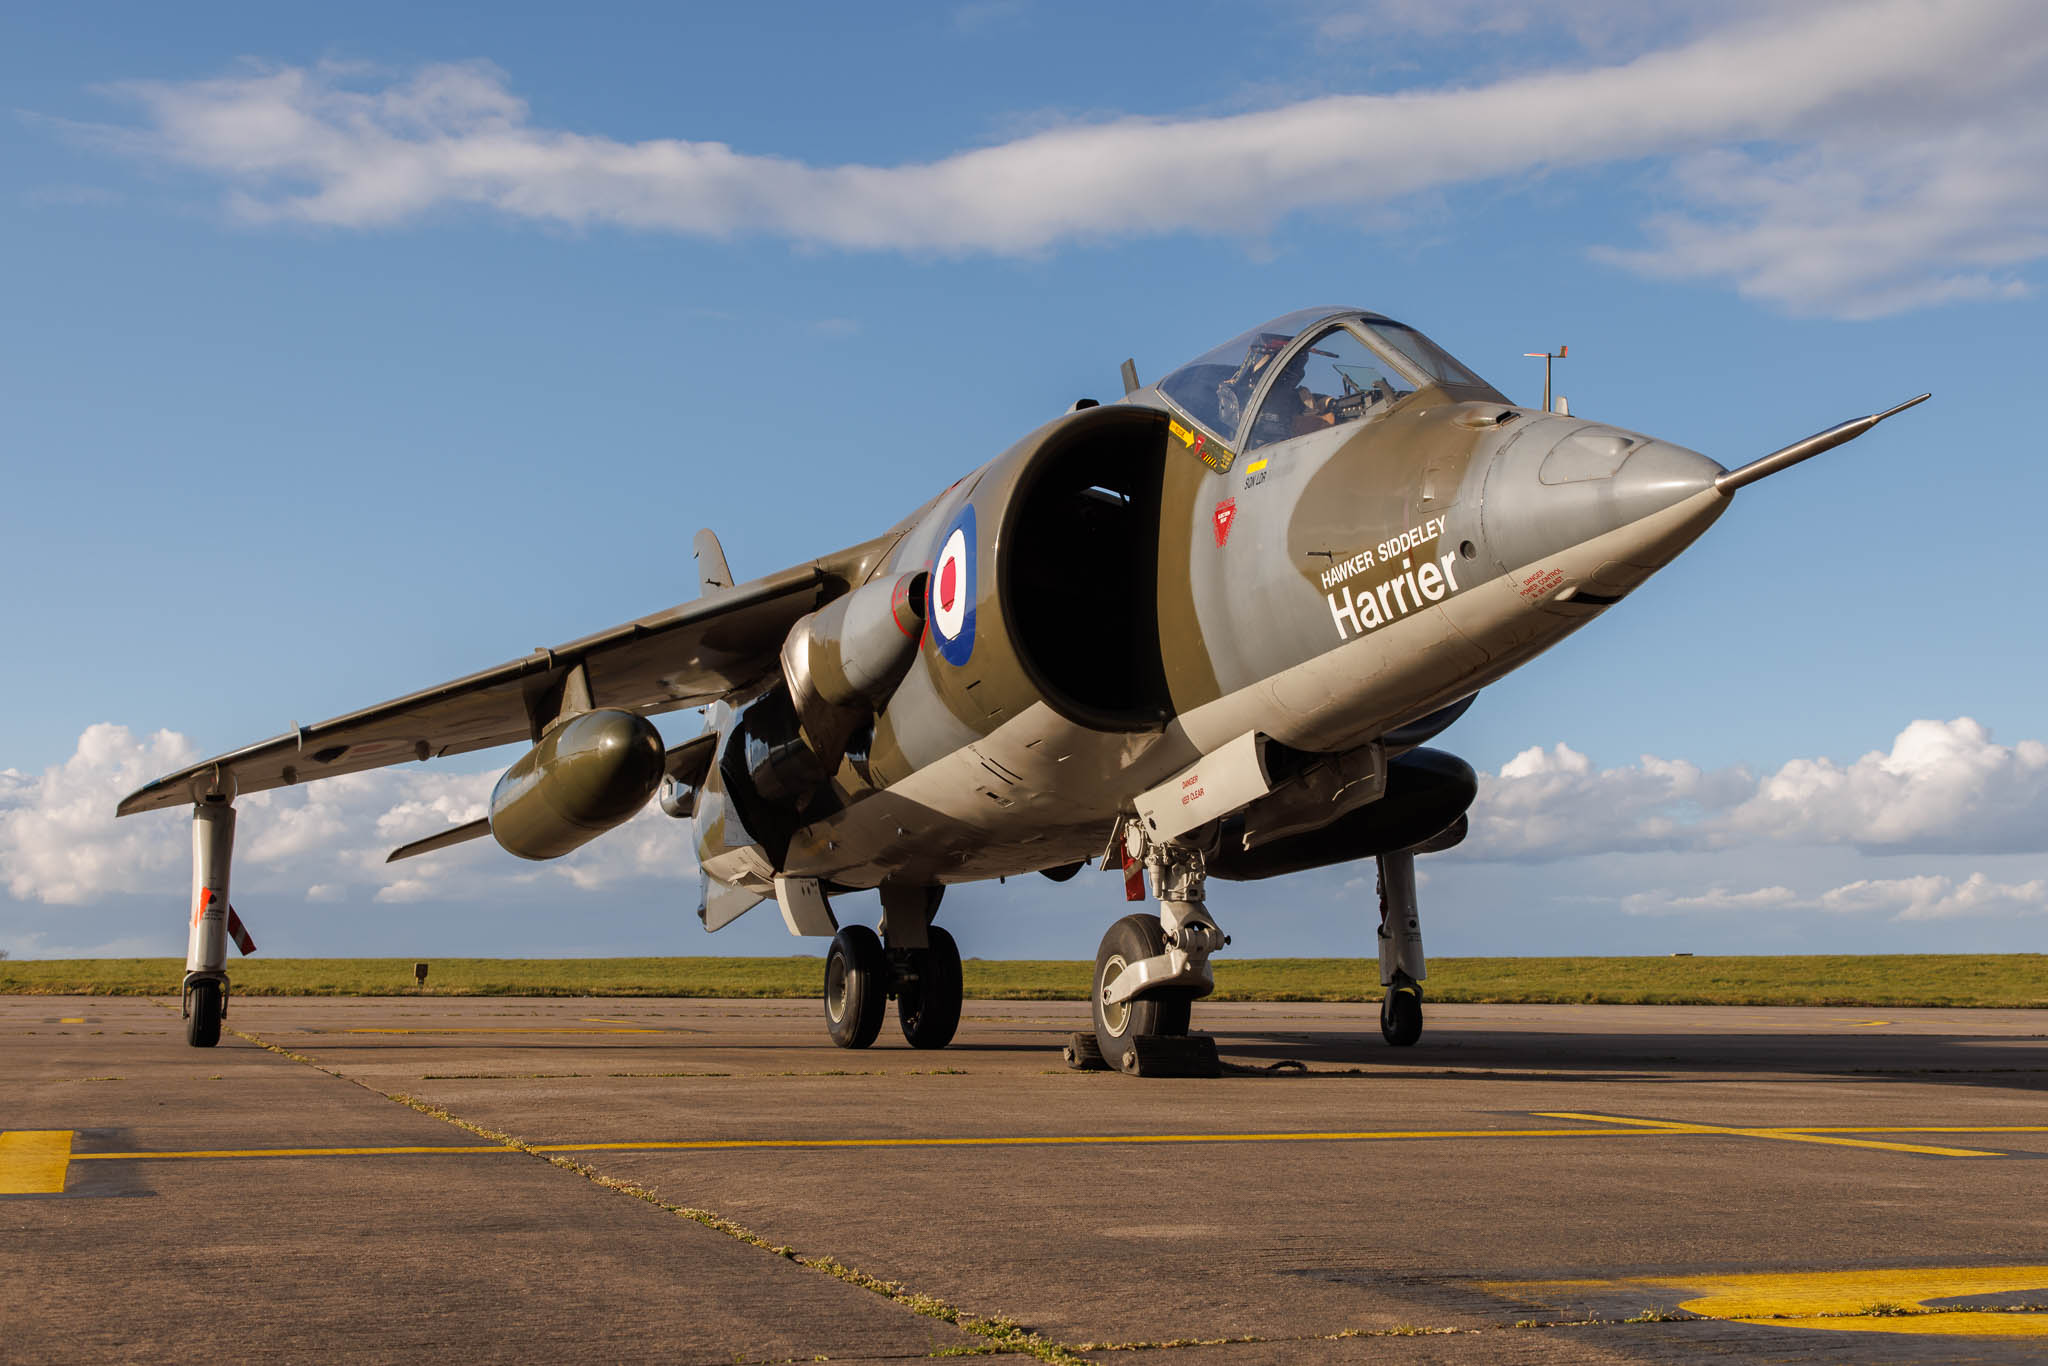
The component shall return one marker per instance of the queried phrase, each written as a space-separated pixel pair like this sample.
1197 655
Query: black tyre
1130 940
1401 1014
929 1008
856 987
209 1003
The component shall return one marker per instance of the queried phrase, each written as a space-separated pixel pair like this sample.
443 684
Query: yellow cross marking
32 1161
1782 1135
1839 1301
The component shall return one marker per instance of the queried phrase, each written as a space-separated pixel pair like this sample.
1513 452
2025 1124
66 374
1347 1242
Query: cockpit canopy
1336 365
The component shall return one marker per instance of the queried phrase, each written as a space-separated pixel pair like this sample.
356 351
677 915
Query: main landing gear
1402 965
1151 969
912 960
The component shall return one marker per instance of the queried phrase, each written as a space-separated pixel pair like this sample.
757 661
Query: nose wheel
1162 1013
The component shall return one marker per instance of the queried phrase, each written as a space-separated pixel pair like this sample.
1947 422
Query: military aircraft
1202 631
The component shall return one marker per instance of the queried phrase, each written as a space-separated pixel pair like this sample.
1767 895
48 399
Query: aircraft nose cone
1563 482
1658 475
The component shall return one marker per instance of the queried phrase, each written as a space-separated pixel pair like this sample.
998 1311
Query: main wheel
1401 1013
209 1003
929 1008
1130 940
856 987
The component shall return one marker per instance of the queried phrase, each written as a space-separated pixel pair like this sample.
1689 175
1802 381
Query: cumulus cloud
1944 787
57 842
1826 158
1927 897
325 842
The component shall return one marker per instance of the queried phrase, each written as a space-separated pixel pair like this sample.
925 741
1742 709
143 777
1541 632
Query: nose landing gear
1150 969
1162 1012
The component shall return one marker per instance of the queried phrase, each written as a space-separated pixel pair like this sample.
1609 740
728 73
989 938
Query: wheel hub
1116 1016
835 989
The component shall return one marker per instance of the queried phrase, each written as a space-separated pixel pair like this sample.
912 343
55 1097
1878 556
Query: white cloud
1944 787
1872 223
58 842
1899 141
1926 897
324 842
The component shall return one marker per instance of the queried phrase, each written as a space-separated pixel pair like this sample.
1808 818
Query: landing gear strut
1150 969
1402 965
206 948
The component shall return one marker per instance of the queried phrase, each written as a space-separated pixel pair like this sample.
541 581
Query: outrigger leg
205 992
1402 965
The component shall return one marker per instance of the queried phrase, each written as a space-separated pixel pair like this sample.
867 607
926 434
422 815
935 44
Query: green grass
2014 979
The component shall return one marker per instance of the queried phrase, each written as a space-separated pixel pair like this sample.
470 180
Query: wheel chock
1082 1055
1158 1055
1186 1055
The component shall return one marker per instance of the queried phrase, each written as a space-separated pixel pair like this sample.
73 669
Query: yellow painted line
1923 1129
1835 1301
1613 1127
1006 1141
502 1029
72 1019
467 1151
32 1161
1781 1135
1057 1140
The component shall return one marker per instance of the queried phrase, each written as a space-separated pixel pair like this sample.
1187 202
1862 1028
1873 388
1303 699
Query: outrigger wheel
1131 940
1401 1011
928 997
207 1005
856 987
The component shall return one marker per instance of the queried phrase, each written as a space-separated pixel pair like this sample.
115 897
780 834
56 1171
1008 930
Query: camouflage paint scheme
1119 594
976 772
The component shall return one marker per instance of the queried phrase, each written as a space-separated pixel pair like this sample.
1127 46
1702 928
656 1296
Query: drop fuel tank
589 774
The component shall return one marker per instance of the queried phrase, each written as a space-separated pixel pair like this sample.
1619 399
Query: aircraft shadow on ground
1961 1060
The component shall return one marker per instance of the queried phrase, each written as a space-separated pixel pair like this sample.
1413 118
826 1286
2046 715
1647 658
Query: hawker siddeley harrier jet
1202 632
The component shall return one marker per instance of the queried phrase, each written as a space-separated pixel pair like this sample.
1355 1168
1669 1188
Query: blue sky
350 352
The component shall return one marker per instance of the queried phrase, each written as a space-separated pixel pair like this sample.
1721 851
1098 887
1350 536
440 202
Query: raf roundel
951 609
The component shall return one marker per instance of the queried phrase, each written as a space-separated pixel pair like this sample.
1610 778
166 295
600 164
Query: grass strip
1840 980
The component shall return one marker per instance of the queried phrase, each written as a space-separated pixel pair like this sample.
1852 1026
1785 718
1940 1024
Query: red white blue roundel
951 607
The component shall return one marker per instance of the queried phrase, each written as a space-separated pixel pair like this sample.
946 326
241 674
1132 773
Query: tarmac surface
711 1181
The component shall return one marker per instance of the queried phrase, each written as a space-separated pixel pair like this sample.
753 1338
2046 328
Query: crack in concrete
1000 1335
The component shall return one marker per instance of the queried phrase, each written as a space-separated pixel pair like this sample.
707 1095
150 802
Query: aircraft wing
683 657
